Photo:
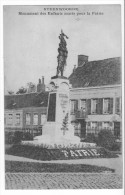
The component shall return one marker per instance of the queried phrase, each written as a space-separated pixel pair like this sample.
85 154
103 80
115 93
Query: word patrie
80 152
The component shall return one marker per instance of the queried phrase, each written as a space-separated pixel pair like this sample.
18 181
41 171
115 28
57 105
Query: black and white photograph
63 126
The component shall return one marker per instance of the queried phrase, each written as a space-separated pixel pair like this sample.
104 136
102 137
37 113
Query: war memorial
62 97
58 140
58 128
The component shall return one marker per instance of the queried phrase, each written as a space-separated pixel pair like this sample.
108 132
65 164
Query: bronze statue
63 53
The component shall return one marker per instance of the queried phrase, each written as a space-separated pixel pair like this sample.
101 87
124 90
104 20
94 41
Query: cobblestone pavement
63 181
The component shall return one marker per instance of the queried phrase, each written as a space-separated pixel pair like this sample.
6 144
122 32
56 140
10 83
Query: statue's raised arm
62 33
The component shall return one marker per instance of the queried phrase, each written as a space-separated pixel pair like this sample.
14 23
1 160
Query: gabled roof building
96 73
96 95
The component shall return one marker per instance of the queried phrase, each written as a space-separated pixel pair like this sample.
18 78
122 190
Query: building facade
25 119
95 97
96 108
26 112
95 100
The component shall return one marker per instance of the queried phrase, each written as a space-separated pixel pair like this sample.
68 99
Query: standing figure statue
63 53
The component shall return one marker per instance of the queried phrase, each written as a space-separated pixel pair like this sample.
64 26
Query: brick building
25 112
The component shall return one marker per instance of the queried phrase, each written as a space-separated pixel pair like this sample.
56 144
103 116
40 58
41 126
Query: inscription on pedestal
63 100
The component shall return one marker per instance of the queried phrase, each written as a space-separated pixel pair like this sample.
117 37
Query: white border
50 2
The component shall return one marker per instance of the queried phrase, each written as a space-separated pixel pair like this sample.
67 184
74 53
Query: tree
18 136
10 92
106 139
30 84
21 90
31 87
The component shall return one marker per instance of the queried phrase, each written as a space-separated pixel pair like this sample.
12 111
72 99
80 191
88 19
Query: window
77 129
10 119
88 125
99 125
94 125
43 119
83 104
94 106
88 106
108 106
17 119
117 129
28 119
74 106
106 125
35 119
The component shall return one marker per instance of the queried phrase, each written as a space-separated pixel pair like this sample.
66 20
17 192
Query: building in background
26 112
95 97
95 100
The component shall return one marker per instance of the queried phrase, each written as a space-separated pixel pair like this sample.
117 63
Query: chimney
39 81
42 80
41 85
82 59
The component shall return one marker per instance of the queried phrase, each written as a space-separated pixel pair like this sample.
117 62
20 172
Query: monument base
46 139
55 136
58 129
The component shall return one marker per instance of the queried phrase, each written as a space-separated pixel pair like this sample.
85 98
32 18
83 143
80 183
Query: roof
26 100
97 73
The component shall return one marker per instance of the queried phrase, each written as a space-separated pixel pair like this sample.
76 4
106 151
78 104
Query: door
117 129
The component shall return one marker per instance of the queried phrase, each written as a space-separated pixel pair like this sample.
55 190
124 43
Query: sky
31 41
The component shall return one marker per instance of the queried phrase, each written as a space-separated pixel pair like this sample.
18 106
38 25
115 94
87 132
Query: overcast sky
31 41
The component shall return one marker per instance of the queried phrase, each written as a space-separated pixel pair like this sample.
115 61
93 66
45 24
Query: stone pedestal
58 128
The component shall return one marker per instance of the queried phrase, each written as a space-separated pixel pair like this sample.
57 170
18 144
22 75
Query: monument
58 128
